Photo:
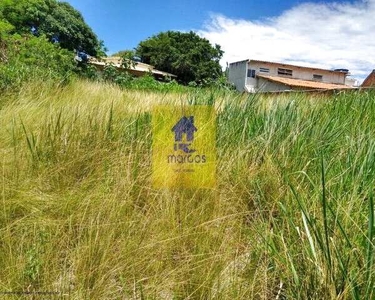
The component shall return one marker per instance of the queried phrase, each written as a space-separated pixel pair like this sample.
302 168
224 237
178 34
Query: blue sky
122 24
328 34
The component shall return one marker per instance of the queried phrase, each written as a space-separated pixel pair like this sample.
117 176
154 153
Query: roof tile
292 82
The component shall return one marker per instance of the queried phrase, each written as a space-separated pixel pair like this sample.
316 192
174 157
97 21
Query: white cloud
338 35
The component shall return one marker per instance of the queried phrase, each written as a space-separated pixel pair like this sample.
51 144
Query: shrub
28 57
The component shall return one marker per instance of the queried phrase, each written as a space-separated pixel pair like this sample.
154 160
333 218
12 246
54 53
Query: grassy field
292 216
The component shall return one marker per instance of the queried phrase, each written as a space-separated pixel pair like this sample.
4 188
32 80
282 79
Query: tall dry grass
292 216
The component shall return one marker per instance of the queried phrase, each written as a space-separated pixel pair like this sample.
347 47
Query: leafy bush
28 57
112 74
88 71
148 82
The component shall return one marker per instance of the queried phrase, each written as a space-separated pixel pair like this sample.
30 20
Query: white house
264 76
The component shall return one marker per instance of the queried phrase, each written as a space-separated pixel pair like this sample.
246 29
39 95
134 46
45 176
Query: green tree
187 55
54 20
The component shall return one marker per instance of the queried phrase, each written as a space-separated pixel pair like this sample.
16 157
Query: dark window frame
250 73
317 77
284 72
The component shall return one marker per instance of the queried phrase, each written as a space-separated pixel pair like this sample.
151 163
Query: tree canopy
56 20
187 55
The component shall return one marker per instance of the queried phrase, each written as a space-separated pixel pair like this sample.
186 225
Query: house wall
265 85
351 82
298 73
237 74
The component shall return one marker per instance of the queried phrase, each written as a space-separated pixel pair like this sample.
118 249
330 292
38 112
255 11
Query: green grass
292 216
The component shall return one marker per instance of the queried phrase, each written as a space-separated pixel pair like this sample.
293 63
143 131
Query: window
264 70
251 73
285 72
318 77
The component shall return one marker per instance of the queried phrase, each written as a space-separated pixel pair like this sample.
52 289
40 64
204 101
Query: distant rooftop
137 68
340 71
304 83
370 80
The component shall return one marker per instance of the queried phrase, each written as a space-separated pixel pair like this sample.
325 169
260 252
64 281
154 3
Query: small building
263 76
369 81
136 68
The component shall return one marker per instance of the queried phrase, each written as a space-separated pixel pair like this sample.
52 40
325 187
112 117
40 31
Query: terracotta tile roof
370 80
304 83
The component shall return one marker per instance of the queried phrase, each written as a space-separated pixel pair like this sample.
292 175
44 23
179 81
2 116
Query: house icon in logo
185 126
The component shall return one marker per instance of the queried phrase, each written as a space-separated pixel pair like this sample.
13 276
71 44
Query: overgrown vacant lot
291 216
